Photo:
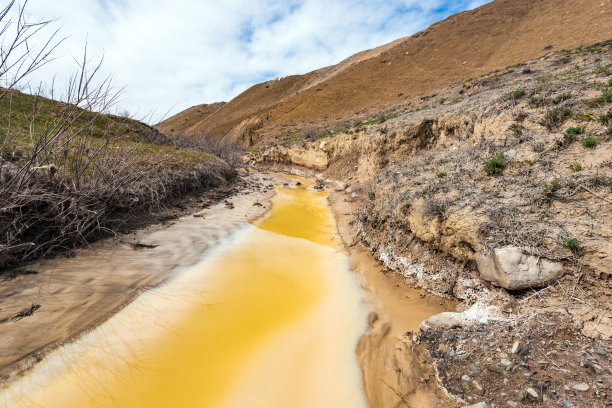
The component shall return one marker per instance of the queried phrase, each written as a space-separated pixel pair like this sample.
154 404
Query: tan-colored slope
182 121
465 45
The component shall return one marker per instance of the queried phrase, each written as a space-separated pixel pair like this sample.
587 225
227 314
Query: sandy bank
395 370
53 301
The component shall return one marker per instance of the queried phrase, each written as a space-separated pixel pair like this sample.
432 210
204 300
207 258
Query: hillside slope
465 45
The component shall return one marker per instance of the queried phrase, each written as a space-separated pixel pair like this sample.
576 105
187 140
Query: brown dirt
551 358
396 371
39 311
506 32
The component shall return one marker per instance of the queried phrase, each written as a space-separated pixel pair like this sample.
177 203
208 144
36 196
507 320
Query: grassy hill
466 45
71 175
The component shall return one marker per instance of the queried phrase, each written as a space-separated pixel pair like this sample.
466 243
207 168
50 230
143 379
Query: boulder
512 269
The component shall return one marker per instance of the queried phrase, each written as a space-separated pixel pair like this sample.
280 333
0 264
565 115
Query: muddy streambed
271 315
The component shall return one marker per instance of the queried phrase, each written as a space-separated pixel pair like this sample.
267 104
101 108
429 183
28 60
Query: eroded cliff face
518 160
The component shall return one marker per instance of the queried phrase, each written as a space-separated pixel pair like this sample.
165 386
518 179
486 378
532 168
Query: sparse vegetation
371 194
516 130
589 142
553 186
519 93
607 96
441 174
583 117
560 98
572 244
495 165
555 117
570 133
576 166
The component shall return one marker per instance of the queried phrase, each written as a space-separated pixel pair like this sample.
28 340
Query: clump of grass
601 70
553 186
589 142
519 93
560 98
495 165
371 194
534 100
576 166
607 96
571 132
583 117
516 130
554 117
572 244
441 174
610 82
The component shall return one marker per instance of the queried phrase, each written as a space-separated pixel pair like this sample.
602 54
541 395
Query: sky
170 55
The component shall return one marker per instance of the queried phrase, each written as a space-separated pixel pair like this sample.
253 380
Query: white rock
465 378
515 347
478 405
506 362
581 387
446 320
532 392
512 404
512 269
510 154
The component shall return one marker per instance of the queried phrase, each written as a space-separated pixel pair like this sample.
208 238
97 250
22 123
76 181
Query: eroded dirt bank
396 371
48 303
496 191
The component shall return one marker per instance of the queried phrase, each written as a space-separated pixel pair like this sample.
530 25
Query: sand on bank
63 297
395 370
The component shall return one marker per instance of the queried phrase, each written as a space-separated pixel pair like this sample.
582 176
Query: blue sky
170 55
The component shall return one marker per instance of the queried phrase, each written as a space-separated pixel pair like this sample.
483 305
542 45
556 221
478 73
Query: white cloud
175 54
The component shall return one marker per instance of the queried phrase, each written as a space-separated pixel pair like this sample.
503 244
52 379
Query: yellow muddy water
269 318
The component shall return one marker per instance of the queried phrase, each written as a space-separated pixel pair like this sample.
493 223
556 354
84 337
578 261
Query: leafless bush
231 153
62 190
436 207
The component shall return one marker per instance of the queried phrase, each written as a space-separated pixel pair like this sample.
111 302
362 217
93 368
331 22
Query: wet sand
68 296
395 370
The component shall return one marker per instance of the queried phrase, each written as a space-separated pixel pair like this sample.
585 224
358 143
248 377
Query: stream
270 316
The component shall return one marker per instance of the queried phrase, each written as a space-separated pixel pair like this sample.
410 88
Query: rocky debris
512 269
539 360
448 320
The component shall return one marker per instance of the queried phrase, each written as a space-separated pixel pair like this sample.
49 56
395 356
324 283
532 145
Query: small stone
515 347
532 392
478 405
477 385
581 387
466 386
512 404
567 404
506 362
473 367
465 378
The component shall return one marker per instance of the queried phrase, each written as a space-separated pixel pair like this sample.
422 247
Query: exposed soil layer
396 371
